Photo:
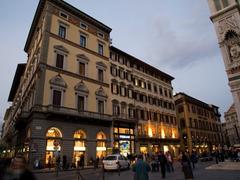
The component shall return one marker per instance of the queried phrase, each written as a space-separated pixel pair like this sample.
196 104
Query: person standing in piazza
141 169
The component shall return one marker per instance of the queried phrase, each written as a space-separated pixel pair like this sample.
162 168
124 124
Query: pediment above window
101 64
100 92
61 48
81 87
58 81
82 56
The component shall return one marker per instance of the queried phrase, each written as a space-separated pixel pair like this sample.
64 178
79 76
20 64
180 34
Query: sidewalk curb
52 170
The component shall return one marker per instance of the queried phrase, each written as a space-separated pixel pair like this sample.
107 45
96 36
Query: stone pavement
227 165
201 172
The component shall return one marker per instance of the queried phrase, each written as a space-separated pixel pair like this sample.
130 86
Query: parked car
112 162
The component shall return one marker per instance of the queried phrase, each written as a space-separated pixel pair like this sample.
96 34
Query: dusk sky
175 36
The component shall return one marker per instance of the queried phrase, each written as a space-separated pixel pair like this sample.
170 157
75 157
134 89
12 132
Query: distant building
199 123
225 137
80 97
225 15
232 126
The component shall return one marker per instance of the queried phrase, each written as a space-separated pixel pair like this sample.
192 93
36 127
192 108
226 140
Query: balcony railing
71 111
123 117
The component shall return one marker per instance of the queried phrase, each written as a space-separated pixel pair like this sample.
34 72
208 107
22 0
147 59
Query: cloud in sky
181 45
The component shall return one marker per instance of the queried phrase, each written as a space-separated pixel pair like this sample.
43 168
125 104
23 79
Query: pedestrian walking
163 163
186 166
193 159
141 169
217 156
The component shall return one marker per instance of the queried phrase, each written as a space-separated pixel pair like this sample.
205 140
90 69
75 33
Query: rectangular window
122 91
116 110
101 107
59 61
217 4
130 94
114 88
57 96
83 40
101 35
82 69
100 75
100 49
225 3
113 71
149 87
83 26
155 88
160 90
80 103
64 15
62 31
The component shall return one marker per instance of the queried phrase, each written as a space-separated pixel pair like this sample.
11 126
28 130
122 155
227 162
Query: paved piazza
203 171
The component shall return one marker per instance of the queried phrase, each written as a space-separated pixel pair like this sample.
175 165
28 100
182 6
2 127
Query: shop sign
101 148
124 137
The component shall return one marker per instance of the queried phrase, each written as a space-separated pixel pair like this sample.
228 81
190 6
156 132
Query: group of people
142 167
155 163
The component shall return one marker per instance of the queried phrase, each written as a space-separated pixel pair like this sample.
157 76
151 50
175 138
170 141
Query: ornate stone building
225 15
232 126
200 126
73 97
142 98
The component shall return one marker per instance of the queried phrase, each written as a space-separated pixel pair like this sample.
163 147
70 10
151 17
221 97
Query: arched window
54 132
53 147
101 145
79 145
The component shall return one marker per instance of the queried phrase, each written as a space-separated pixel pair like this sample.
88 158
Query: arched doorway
79 146
101 145
53 147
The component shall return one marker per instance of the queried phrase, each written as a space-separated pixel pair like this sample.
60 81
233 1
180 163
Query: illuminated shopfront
155 137
53 148
124 140
79 145
101 145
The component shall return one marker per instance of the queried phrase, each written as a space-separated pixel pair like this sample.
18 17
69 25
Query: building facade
66 99
225 15
200 126
232 126
142 97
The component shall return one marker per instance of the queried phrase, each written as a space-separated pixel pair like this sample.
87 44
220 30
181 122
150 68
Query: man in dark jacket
163 162
18 170
141 169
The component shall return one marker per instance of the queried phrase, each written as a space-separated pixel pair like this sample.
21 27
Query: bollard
103 172
119 168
